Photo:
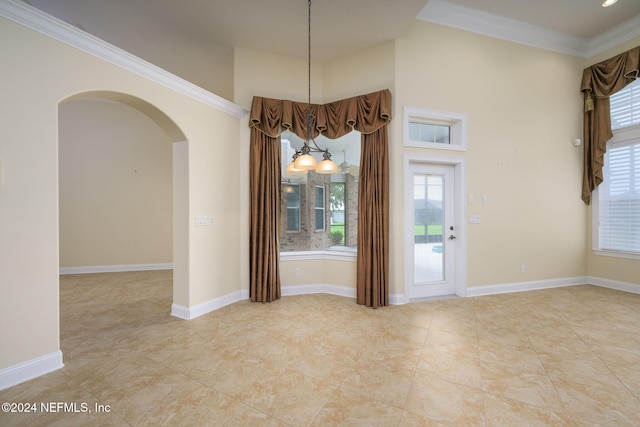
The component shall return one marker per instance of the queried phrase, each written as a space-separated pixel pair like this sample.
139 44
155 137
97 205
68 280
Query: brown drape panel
373 221
264 228
368 114
598 83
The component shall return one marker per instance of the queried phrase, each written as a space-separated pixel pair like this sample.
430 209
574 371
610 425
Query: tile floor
567 356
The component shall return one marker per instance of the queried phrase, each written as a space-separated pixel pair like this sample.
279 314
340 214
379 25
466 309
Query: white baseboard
342 291
30 369
476 291
615 284
188 313
397 299
115 268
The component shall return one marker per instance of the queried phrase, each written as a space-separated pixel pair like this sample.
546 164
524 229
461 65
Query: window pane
319 197
292 195
427 132
293 219
337 206
320 209
311 220
428 228
620 200
625 106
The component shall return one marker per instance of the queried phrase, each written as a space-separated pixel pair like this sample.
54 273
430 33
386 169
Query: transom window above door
438 130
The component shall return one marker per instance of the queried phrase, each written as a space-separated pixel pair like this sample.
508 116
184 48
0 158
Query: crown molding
469 19
614 37
34 19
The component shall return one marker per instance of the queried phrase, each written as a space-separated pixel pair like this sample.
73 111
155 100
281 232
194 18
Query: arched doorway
122 168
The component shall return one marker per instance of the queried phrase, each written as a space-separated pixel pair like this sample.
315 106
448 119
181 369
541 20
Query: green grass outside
434 230
340 228
337 227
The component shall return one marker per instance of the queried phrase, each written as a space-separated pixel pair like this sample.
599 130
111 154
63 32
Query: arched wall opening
122 186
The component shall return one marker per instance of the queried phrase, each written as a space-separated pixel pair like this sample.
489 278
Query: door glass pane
428 228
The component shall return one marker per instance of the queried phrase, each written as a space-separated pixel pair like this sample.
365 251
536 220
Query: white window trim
342 254
457 121
323 209
621 136
299 207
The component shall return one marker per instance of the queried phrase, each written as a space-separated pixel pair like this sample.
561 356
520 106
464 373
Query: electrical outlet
297 271
523 268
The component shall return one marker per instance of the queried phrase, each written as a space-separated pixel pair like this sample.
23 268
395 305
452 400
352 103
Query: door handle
452 237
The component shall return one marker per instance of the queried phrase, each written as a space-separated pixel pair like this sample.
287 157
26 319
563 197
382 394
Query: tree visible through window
337 205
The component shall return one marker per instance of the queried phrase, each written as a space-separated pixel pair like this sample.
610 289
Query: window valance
599 82
364 113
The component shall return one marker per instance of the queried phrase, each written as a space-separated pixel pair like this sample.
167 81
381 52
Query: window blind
620 199
625 106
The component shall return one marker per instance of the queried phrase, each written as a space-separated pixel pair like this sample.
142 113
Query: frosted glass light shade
327 166
292 170
305 162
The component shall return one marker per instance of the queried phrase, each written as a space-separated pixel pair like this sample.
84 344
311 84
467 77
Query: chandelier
303 161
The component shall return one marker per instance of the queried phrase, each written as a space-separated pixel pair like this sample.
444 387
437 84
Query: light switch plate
474 219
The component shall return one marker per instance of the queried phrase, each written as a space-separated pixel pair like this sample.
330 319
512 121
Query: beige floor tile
565 356
250 417
391 358
519 355
412 420
615 355
248 377
593 403
500 411
445 402
630 378
379 383
503 334
187 405
567 345
331 366
293 398
582 371
351 409
464 345
451 367
525 386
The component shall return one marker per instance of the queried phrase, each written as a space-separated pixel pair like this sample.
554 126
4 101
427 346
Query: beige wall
38 73
115 186
523 108
606 267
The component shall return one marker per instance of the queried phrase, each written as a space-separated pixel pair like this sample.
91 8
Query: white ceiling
581 18
338 26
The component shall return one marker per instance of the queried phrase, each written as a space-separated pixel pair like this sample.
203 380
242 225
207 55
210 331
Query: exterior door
434 231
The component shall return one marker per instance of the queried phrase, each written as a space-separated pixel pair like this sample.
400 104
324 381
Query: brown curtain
368 114
599 82
264 228
373 221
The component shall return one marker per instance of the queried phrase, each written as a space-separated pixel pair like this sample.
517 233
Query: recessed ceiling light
608 3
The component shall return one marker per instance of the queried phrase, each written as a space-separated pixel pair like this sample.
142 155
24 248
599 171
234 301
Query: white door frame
460 214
